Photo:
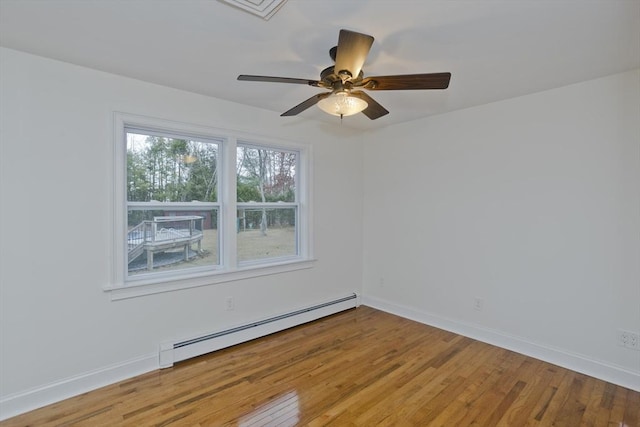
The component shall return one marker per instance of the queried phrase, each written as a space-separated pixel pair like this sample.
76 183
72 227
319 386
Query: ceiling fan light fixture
342 104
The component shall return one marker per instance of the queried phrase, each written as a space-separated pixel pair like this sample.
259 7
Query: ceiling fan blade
407 82
245 77
353 49
305 104
373 110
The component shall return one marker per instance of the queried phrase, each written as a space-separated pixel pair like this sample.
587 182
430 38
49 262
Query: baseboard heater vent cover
172 352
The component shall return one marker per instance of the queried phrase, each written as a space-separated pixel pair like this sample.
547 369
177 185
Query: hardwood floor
362 367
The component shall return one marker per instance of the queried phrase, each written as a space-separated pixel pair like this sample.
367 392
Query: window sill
134 290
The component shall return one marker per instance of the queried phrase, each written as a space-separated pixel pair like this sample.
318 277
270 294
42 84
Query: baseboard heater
171 352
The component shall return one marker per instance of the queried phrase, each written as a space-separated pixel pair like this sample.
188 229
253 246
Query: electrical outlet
478 303
229 304
623 338
629 339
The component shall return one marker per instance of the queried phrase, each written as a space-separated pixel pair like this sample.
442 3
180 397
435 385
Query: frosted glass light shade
342 104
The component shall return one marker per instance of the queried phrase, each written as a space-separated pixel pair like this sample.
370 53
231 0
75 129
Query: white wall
533 205
57 323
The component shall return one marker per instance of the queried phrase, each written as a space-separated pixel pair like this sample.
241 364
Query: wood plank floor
362 367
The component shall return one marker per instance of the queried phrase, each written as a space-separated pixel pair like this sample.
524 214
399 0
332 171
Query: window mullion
229 242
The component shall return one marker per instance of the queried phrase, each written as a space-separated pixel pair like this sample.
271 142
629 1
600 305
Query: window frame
122 286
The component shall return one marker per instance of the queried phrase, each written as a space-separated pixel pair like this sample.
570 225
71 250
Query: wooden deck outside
149 237
362 367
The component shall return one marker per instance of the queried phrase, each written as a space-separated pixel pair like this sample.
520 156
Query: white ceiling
494 49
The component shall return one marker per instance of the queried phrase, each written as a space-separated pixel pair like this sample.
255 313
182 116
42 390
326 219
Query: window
172 195
267 203
196 206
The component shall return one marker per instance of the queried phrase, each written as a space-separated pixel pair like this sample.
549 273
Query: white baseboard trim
19 403
575 362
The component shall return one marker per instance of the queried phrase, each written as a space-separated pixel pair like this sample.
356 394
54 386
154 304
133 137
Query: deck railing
162 229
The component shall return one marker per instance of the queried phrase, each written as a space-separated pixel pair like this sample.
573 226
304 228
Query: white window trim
229 270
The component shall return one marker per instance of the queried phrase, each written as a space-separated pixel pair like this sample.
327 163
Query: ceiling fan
345 79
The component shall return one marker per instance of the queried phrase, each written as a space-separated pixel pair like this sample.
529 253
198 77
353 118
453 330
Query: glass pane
171 239
265 175
171 170
266 233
